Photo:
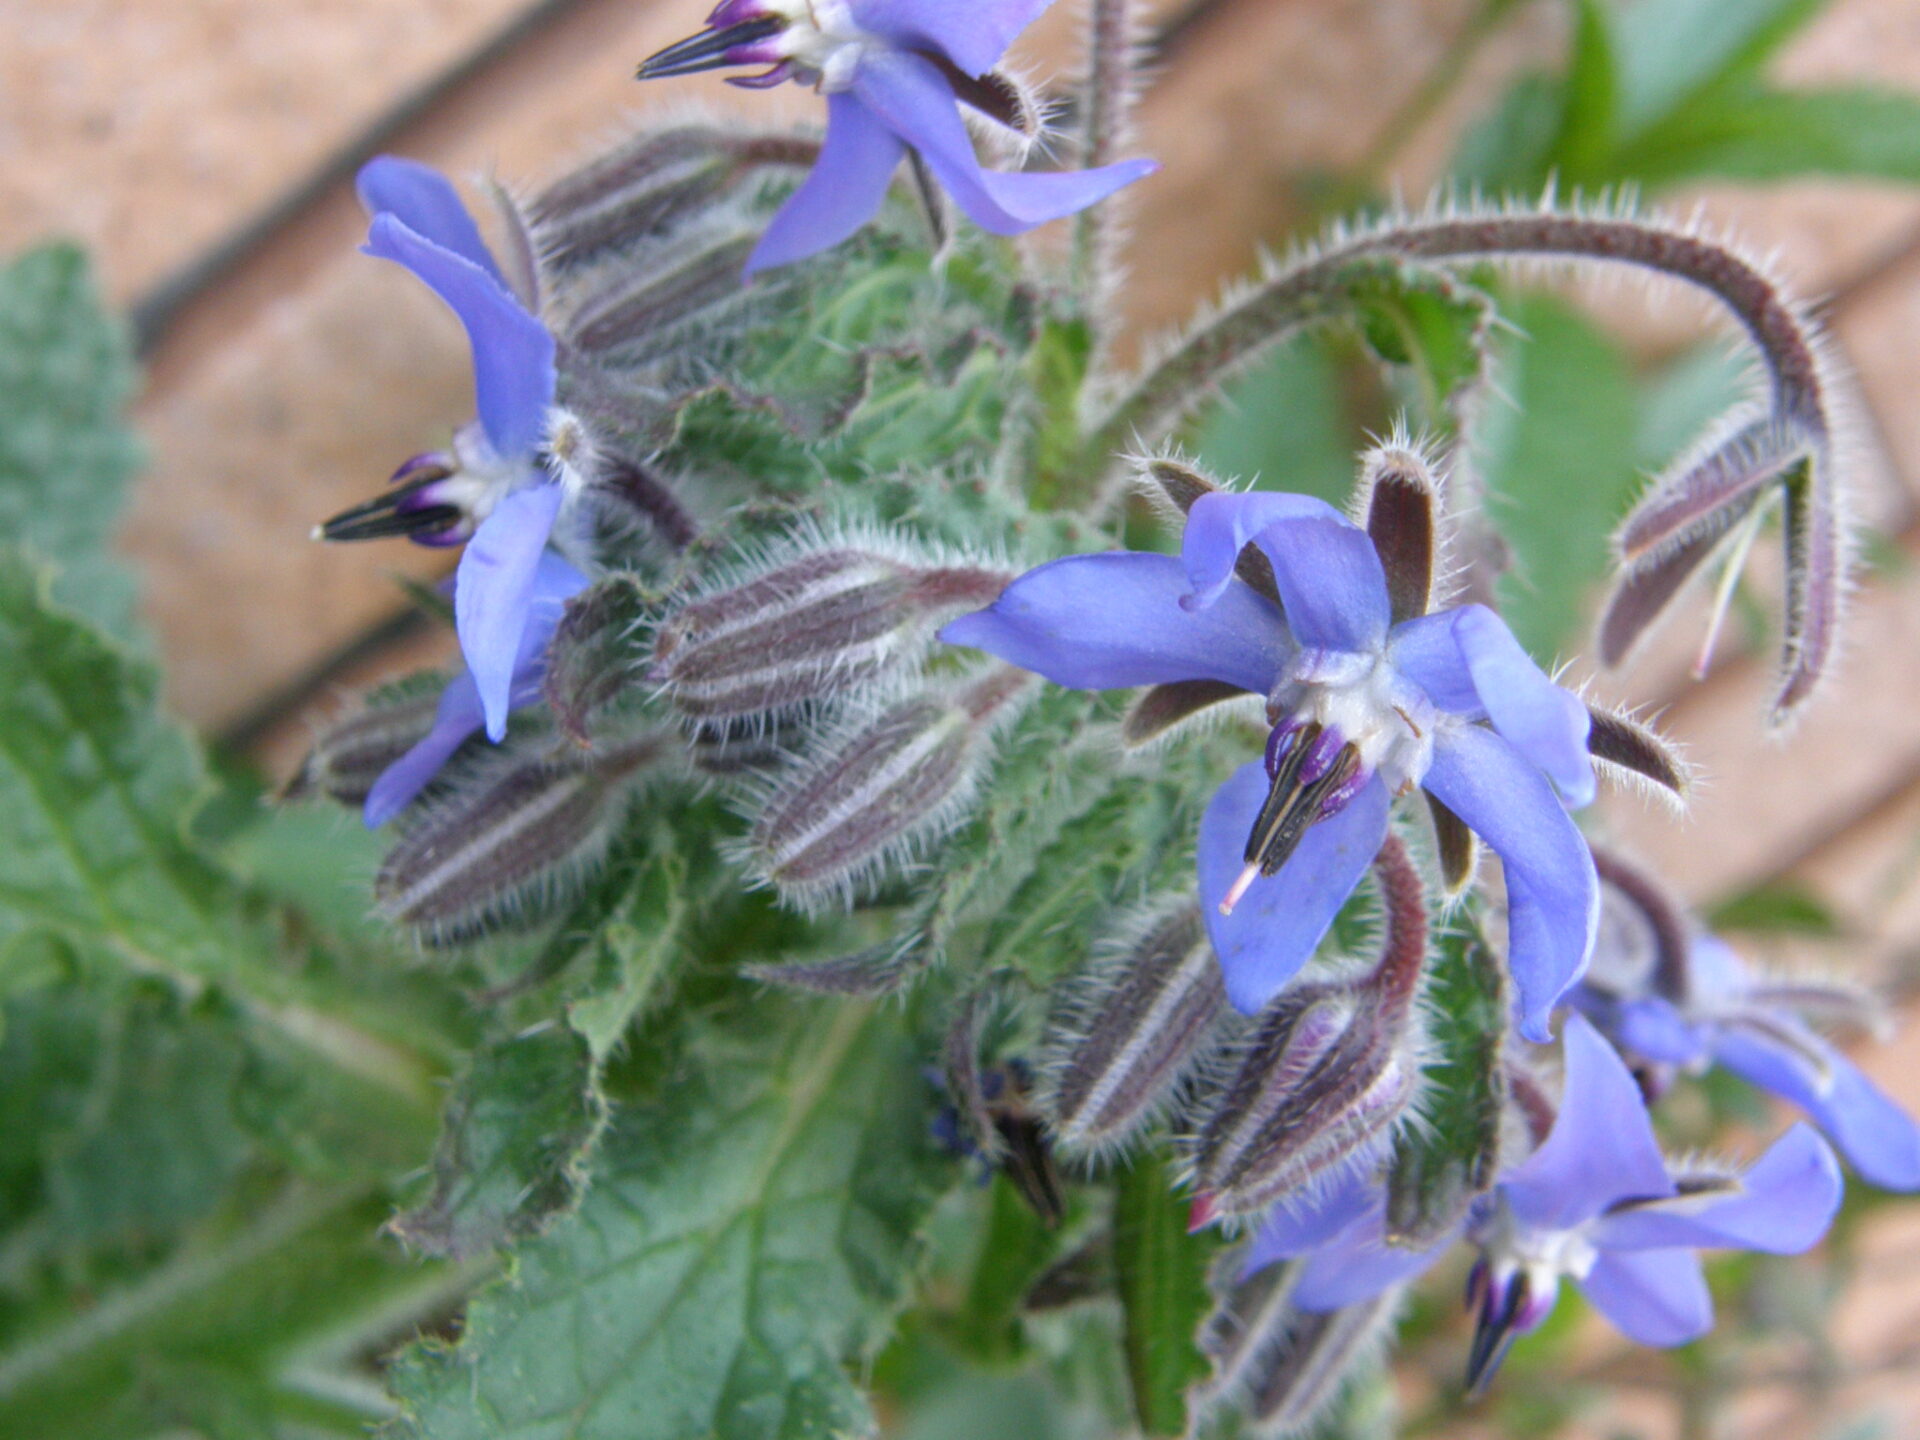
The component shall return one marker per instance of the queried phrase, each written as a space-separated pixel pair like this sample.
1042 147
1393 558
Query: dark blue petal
914 101
1470 652
424 200
1879 1139
846 187
494 592
1105 622
1294 1227
973 35
1654 1297
1325 567
513 374
1553 895
1282 917
1601 1148
1783 1206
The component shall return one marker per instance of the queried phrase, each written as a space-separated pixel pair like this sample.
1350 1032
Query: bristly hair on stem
1115 50
1793 445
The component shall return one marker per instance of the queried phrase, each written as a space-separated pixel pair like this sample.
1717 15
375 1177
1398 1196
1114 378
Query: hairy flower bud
807 629
1329 1071
524 829
349 755
656 181
1119 1046
879 788
1307 1360
633 313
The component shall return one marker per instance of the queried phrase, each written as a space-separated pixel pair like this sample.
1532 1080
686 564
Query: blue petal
914 100
1654 1297
459 714
1279 921
1293 1228
1357 1266
424 200
1601 1148
513 374
973 35
494 592
458 717
1553 895
1878 1138
1105 622
1783 1206
1325 567
1470 652
1652 1028
847 185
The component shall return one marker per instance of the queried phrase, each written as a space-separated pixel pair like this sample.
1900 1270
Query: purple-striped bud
809 629
1286 1367
1134 1026
880 789
650 185
351 754
524 830
1329 1071
632 315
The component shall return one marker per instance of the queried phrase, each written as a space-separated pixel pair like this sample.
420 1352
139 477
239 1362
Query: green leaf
1284 422
631 954
1672 50
750 1232
1429 320
1560 464
1591 105
1782 908
513 1145
1757 134
65 452
1440 1165
1018 1248
1162 1276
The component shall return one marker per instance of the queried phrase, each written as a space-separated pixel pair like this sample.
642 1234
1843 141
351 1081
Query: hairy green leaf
1757 134
1162 1275
749 1234
65 452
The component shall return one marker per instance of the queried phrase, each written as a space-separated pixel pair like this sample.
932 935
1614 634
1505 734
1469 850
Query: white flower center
1388 720
822 39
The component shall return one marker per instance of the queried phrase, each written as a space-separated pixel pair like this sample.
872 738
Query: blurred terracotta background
202 149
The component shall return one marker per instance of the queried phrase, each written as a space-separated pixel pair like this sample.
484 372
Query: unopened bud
1329 1071
350 755
527 829
880 789
1308 1360
634 314
1118 1048
754 745
809 629
591 661
649 185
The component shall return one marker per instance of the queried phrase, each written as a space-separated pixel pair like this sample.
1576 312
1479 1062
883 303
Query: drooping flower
496 489
1368 697
461 712
1596 1202
1704 1006
893 72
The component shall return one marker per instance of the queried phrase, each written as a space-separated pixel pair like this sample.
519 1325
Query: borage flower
494 489
1368 697
461 713
892 72
1597 1202
1702 1005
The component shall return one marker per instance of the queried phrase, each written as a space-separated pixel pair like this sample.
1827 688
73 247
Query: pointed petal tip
1201 1213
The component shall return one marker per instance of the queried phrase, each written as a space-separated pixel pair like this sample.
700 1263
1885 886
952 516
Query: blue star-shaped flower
494 490
1363 709
1596 1202
892 72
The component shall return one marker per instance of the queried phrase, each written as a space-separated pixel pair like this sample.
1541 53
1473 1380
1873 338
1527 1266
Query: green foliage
748 1235
65 453
1161 1272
